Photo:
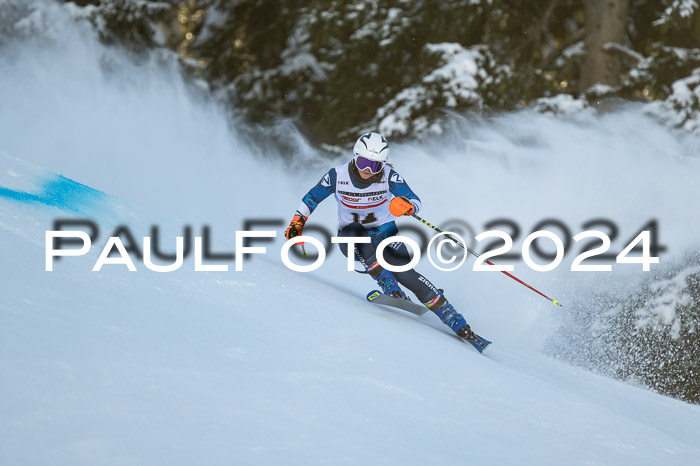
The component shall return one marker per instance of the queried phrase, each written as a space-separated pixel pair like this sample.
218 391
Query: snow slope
270 366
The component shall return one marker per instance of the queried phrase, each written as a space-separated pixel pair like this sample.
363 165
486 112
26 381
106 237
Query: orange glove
295 226
401 206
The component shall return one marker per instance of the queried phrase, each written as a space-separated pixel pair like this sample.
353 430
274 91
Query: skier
369 195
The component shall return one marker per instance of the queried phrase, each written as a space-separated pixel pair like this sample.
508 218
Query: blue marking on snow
60 192
18 196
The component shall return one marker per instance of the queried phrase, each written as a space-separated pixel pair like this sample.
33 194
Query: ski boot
386 281
449 316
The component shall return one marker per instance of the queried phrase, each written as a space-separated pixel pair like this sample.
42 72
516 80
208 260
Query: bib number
369 218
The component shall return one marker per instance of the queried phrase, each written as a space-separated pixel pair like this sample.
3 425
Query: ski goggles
374 166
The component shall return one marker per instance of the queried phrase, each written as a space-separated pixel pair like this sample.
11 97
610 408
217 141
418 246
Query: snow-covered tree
335 67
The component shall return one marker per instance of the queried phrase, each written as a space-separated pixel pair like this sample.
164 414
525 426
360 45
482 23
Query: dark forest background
335 68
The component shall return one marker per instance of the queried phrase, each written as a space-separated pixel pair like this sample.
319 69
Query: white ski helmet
372 147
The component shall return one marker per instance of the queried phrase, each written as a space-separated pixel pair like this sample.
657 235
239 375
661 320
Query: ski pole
475 254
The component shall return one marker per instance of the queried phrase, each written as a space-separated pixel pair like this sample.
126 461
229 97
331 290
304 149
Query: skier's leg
427 293
449 316
366 254
362 250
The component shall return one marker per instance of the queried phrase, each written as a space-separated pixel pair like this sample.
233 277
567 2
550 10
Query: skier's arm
317 194
309 202
399 188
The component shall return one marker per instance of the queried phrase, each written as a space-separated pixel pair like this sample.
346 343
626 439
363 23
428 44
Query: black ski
377 297
478 342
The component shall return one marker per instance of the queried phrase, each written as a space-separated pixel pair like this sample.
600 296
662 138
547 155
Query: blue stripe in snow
60 192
